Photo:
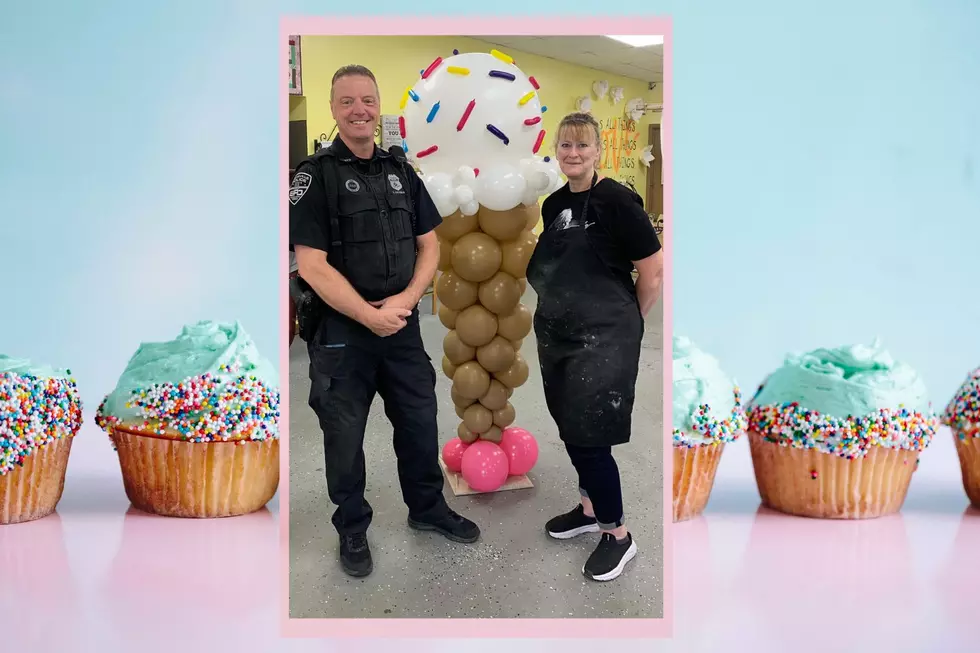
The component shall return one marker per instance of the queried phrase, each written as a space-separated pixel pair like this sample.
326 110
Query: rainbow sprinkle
962 414
35 412
205 408
713 431
791 425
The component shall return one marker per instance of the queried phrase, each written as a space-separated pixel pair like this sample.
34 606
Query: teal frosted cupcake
40 414
195 422
837 433
707 414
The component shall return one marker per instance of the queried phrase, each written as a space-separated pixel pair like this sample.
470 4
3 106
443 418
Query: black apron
589 329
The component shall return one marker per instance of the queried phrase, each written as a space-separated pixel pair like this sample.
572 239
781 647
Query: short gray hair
350 71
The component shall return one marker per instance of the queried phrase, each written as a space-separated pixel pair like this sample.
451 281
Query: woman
589 324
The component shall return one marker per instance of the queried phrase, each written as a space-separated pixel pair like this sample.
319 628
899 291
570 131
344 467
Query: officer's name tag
301 184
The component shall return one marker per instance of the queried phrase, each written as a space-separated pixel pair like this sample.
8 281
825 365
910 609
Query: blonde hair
580 124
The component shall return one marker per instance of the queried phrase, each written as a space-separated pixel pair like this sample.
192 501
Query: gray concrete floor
515 570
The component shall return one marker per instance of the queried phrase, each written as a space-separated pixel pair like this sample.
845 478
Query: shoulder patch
301 184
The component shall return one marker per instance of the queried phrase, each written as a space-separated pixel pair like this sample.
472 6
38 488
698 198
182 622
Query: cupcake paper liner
968 448
33 490
694 476
178 478
810 483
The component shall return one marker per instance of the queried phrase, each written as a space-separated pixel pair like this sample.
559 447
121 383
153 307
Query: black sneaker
451 526
610 557
355 554
571 524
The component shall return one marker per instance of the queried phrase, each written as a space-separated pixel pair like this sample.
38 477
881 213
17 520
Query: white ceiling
598 52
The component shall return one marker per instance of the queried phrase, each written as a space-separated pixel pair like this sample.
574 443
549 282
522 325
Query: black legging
598 478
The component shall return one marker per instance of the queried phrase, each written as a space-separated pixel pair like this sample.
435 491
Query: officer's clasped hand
388 320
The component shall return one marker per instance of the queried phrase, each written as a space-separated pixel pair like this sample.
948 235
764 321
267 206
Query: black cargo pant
348 365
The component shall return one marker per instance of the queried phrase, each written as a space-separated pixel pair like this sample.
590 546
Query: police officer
361 224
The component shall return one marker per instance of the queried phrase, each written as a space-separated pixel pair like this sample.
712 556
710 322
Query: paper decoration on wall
646 156
584 104
617 94
390 131
600 88
295 67
634 108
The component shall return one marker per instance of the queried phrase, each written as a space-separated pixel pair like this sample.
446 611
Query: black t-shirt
309 225
618 227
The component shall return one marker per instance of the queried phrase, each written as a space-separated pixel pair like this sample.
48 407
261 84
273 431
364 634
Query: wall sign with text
620 158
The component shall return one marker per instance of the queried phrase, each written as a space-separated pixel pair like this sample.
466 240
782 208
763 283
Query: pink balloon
485 466
452 454
521 450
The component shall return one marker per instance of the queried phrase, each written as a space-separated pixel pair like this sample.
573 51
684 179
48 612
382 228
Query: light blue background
826 178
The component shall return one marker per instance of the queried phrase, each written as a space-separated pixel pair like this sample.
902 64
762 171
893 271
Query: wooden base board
462 488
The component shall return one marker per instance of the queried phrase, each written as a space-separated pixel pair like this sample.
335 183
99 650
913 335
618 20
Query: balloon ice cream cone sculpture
472 124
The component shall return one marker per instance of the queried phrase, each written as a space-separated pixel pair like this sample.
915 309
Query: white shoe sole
575 532
629 555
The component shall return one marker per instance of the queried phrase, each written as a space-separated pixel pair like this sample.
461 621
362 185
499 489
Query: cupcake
707 414
962 416
40 413
195 422
837 433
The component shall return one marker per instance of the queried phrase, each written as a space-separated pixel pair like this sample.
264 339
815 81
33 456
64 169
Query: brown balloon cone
505 416
471 381
496 395
497 355
503 226
457 351
459 400
448 317
466 435
493 434
456 226
456 292
476 257
516 325
483 260
478 419
533 214
476 326
514 376
517 253
447 367
500 294
445 255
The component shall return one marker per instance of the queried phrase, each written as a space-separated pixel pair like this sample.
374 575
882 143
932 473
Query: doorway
655 182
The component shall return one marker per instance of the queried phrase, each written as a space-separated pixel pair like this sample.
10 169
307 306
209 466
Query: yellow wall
397 60
297 110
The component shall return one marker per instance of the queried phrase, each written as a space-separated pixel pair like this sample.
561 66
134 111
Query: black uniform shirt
308 221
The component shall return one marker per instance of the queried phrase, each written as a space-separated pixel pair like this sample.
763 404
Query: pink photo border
482 628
